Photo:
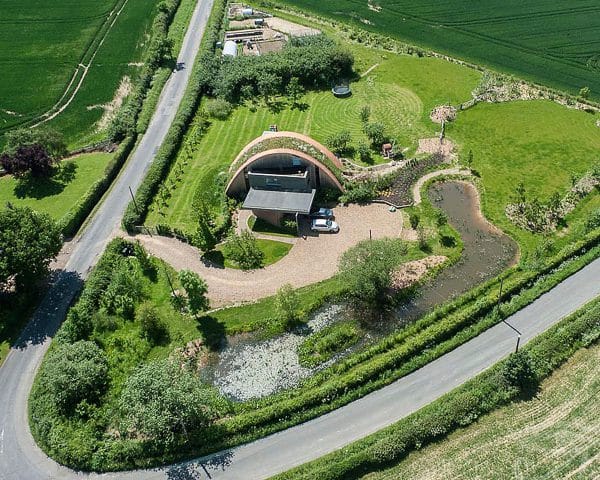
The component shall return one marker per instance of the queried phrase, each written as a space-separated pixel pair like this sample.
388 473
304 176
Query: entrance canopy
279 200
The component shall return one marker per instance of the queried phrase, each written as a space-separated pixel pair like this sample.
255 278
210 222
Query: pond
249 368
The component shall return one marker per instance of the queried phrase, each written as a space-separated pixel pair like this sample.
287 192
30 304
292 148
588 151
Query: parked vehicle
324 225
323 213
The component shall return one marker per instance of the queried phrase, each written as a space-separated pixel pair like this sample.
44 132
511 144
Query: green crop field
57 194
401 92
41 46
554 43
553 435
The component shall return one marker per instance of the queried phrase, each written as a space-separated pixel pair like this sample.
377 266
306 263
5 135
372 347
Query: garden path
313 258
416 190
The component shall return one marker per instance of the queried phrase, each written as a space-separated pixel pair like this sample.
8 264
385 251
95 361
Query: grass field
539 143
41 45
552 43
401 91
59 193
553 435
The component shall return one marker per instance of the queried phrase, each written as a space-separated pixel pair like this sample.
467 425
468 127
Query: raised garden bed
399 194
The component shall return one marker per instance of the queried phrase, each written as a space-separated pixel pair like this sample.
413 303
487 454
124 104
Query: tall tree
50 140
196 290
294 90
28 242
367 270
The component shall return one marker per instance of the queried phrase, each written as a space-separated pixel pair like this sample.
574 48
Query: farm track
82 68
61 105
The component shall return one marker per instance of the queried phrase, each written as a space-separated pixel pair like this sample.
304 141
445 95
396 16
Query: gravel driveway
313 258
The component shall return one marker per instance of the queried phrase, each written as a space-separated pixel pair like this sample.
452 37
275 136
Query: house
279 174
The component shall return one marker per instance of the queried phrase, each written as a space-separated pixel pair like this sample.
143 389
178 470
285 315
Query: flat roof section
279 200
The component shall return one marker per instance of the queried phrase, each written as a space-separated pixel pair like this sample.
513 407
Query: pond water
250 368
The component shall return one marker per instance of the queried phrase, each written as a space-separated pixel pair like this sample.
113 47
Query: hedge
457 409
157 52
72 220
168 150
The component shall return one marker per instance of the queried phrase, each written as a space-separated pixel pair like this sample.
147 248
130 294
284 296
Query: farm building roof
279 200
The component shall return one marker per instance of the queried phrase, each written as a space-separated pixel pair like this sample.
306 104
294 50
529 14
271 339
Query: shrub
367 269
73 373
152 326
364 152
243 249
518 370
593 221
414 220
162 400
196 290
365 114
124 289
287 305
376 133
218 108
339 142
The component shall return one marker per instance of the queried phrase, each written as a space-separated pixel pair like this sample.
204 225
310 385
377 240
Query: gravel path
416 190
313 258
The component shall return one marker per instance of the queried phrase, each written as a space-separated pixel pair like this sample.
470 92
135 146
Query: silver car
324 225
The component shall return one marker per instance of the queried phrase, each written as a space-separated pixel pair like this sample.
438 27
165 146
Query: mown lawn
59 193
400 91
539 143
553 435
273 251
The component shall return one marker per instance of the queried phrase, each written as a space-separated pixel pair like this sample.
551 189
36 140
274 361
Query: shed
230 49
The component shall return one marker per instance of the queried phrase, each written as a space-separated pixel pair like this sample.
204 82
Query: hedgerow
72 220
460 407
157 52
198 84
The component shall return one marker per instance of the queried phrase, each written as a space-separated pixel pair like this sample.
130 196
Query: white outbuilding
230 49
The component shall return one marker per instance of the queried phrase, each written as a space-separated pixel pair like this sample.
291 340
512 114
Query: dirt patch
411 272
435 146
111 108
443 113
291 28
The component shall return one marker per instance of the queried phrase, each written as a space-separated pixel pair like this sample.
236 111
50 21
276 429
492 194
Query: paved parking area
313 258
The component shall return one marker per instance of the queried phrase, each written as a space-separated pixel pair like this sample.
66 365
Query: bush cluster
202 71
315 61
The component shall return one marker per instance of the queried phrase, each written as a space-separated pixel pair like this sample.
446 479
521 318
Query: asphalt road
19 457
